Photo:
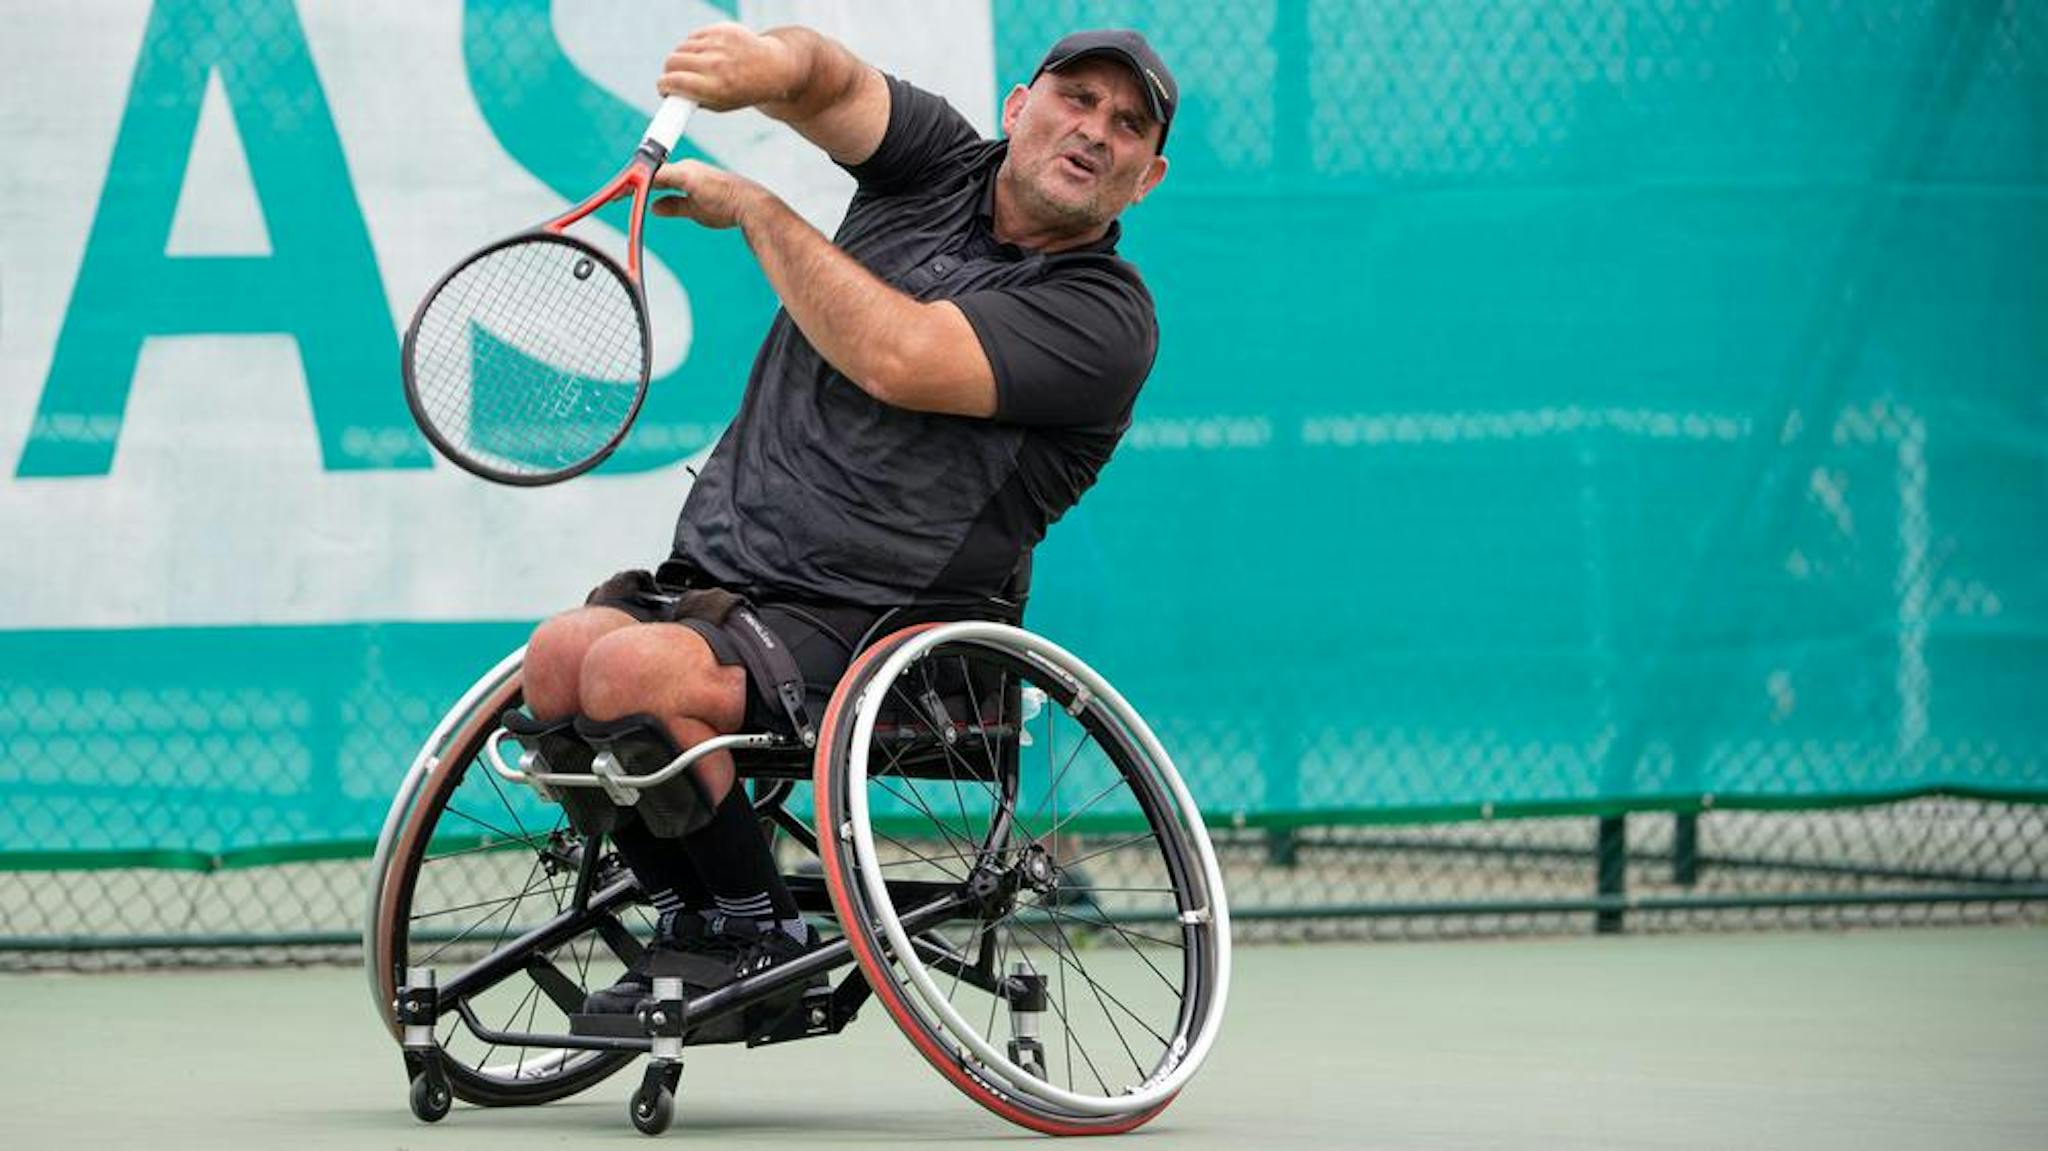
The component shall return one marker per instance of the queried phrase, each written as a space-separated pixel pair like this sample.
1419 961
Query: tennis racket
528 361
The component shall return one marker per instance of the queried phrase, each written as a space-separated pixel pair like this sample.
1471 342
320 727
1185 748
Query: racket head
527 363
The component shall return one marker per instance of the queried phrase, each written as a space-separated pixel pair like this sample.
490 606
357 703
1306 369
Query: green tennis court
1860 1040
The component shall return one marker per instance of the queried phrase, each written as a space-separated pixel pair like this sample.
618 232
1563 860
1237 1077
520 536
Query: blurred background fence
1593 478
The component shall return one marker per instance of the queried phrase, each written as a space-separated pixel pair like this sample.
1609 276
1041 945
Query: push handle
668 123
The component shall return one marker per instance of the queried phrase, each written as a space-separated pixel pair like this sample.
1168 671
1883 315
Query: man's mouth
1079 163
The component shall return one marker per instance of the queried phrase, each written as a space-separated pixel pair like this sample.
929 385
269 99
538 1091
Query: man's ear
1013 106
1154 172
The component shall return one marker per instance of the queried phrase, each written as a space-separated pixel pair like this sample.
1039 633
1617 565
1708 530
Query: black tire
472 859
430 1101
652 1111
1134 974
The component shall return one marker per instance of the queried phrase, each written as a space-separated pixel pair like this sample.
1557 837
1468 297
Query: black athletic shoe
678 937
734 948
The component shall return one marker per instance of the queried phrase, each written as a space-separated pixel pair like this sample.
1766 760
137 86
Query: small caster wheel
653 1109
1029 1056
429 1098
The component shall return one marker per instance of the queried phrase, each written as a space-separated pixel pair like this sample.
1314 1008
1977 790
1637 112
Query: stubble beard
1082 215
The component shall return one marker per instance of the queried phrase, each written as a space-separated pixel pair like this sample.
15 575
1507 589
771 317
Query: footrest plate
608 1025
616 1026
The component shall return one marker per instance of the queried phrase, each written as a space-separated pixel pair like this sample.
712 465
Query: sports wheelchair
999 851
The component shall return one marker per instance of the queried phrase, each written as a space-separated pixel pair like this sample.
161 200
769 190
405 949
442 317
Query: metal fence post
1685 848
1611 867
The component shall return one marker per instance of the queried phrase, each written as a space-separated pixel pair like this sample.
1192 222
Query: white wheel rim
1162 1085
539 1063
401 806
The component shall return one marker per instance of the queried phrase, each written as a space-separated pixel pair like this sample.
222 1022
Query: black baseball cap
1130 49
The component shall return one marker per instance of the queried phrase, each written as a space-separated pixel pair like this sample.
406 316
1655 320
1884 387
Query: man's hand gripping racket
528 361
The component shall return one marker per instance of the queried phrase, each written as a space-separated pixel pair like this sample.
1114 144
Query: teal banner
1560 407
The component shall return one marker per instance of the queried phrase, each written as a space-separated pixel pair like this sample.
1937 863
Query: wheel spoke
532 1002
503 835
1011 808
954 761
1092 801
920 857
1095 988
952 775
1135 949
1053 787
913 799
1113 925
988 748
494 904
1067 1025
981 927
1131 842
504 844
491 777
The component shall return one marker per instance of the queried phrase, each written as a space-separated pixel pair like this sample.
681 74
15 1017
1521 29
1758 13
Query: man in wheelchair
948 375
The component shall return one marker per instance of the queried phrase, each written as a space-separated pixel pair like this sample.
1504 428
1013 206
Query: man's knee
665 669
553 666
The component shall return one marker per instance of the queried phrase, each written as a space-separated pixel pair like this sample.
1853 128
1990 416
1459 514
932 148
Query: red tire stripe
392 908
872 964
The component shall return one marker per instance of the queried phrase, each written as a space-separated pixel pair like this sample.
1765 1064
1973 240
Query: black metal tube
1685 848
509 958
1417 846
1283 846
566 1042
736 996
1610 855
2036 893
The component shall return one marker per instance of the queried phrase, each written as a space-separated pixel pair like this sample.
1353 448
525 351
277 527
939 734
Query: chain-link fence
1916 863
1591 478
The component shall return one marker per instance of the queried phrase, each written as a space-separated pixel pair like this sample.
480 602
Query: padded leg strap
563 751
641 745
773 668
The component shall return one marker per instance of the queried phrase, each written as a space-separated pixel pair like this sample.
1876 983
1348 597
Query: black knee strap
563 752
641 745
771 666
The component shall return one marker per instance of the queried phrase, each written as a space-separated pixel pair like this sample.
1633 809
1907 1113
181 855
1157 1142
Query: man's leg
554 658
553 673
670 671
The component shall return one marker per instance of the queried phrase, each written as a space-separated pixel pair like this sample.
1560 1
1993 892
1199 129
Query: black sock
733 858
663 868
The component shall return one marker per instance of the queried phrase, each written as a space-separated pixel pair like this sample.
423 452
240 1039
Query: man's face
1083 144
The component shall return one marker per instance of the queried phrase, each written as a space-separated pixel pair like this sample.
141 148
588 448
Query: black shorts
820 637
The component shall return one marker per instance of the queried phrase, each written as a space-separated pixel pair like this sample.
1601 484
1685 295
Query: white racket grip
668 123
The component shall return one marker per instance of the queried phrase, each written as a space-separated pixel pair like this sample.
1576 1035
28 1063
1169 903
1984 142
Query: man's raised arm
808 81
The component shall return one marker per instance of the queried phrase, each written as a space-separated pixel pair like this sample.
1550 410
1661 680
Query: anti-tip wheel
652 1111
430 1100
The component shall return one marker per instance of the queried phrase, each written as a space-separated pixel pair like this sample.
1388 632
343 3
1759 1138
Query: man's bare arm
903 352
914 355
808 81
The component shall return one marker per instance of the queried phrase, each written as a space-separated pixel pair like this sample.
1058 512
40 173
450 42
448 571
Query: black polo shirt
818 491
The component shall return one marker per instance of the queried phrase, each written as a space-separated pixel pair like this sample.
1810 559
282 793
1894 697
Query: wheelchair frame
892 930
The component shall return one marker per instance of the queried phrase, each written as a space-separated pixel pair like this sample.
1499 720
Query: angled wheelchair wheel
1023 876
468 869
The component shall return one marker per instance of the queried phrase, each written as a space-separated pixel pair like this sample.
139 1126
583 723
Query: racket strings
531 358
